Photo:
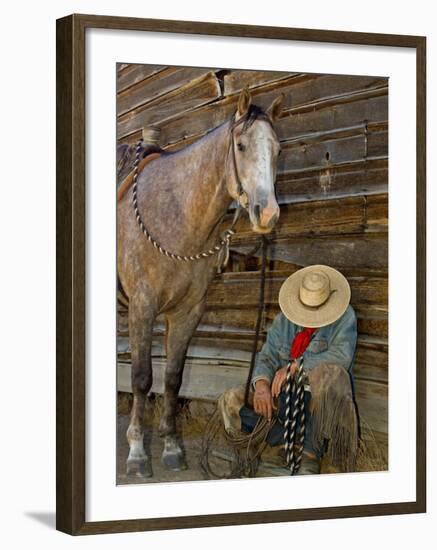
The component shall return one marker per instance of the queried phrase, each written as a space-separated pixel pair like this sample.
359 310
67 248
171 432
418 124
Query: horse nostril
273 220
267 216
257 212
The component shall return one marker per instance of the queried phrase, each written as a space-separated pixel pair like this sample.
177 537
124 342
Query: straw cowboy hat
314 296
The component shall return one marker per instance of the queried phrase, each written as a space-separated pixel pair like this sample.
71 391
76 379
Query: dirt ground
154 446
192 419
192 444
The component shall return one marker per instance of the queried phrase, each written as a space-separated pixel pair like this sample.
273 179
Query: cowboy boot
229 405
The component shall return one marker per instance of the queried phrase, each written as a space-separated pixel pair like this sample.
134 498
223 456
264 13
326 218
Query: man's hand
280 378
262 400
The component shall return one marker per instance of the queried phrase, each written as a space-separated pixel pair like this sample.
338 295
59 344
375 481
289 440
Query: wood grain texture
234 81
193 94
366 177
371 321
343 216
371 362
337 250
213 378
71 267
155 86
70 278
327 113
421 489
65 508
129 75
240 289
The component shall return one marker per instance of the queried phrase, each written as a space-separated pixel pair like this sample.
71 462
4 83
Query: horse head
254 151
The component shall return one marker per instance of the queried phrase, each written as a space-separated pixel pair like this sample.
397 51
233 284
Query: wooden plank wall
333 189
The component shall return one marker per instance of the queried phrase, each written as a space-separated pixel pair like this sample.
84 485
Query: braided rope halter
294 411
225 238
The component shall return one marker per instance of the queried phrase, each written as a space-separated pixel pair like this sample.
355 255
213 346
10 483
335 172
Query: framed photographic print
240 274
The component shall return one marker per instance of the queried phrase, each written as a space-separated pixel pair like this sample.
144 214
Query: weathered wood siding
333 189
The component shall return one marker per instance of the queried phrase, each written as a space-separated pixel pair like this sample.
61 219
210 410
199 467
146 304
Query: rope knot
228 235
226 242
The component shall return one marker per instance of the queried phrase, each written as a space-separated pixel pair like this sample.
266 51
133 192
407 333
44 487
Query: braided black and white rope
294 411
300 405
224 241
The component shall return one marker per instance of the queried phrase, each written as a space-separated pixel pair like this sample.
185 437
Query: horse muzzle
264 219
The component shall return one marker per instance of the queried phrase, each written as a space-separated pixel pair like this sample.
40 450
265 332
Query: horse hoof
174 461
139 468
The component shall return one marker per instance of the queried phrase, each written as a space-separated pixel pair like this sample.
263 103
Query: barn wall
333 189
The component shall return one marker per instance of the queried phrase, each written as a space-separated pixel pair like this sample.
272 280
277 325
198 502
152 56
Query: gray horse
182 198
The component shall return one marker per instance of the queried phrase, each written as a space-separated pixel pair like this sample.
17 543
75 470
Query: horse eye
240 147
280 151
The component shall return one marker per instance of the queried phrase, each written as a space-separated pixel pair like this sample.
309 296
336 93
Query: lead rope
224 242
262 285
294 411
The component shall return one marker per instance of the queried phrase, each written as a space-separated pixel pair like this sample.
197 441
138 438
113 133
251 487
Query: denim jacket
334 343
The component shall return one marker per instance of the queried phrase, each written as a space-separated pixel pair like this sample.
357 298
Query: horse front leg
180 329
141 318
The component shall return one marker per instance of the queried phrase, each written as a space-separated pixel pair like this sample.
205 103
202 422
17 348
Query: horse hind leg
180 329
141 317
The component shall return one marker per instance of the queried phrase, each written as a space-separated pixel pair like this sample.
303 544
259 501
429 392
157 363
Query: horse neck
204 197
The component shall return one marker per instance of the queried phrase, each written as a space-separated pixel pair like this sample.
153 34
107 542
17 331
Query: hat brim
314 317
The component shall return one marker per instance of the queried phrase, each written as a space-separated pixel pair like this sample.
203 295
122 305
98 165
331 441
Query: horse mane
254 113
129 179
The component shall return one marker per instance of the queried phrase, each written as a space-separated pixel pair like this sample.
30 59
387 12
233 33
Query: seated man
318 326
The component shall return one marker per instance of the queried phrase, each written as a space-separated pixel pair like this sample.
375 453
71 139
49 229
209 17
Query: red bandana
300 342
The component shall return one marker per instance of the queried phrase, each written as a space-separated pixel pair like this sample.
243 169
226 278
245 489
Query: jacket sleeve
341 345
268 361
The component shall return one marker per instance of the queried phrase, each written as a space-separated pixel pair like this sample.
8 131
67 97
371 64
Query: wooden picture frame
71 252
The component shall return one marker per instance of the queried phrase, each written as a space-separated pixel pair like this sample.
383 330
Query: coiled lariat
248 448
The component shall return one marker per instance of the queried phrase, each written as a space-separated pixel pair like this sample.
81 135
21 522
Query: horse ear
275 108
243 103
